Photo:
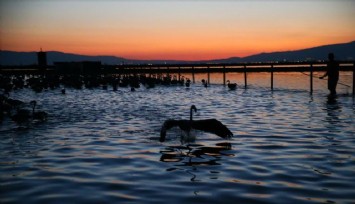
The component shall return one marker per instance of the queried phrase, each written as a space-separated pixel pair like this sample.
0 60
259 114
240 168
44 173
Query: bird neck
33 107
191 110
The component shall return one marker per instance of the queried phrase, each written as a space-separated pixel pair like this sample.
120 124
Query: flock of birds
39 83
15 109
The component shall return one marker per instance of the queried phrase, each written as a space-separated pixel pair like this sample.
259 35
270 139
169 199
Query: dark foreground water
101 146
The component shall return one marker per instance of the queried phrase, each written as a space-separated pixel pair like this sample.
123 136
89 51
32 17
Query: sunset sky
174 29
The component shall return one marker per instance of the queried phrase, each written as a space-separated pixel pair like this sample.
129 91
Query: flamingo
21 116
209 125
204 83
37 115
188 82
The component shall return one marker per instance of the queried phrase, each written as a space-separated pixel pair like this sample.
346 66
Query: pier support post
272 77
179 73
245 76
311 79
193 74
224 75
208 74
354 79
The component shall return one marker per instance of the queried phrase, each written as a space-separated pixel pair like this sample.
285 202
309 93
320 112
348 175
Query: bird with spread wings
208 125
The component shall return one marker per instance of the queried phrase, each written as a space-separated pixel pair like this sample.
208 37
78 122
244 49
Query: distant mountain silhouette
30 58
344 51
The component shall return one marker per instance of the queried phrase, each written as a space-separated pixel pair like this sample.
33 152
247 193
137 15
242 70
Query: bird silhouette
208 125
188 82
37 115
231 86
21 116
204 83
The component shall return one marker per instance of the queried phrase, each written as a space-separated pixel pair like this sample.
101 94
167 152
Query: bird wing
212 126
168 124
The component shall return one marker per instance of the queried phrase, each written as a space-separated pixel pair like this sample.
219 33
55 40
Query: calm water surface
101 146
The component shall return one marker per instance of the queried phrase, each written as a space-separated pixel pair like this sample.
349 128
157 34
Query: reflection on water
194 155
101 146
185 155
333 108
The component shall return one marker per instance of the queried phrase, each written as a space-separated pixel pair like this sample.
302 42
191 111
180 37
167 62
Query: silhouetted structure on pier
76 68
42 61
96 68
42 58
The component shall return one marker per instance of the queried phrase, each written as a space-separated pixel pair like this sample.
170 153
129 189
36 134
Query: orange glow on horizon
179 52
164 47
190 30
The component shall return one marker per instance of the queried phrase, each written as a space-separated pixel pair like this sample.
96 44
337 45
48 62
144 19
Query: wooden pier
305 67
168 69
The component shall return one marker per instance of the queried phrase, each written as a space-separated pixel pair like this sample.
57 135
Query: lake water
102 146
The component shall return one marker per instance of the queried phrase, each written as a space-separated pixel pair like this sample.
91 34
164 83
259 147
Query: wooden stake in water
224 75
272 77
245 76
179 73
311 79
208 74
193 74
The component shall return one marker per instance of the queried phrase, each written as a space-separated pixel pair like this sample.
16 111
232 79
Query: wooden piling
311 79
208 74
353 79
245 76
193 74
224 75
272 77
179 73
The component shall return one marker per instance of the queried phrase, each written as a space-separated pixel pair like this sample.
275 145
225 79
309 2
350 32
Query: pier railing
272 67
168 69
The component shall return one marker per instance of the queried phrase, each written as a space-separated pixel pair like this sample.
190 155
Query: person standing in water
332 73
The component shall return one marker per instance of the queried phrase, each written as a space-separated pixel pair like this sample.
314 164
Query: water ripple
101 146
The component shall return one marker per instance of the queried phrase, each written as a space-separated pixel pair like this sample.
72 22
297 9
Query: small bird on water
231 86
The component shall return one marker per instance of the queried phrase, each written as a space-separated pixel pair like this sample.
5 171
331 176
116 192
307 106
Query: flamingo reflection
184 154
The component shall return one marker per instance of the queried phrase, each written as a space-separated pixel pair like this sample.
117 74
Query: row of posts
271 81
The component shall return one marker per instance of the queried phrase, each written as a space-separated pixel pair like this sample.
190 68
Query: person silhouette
332 73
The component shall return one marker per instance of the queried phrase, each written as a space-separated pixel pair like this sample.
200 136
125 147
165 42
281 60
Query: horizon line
135 59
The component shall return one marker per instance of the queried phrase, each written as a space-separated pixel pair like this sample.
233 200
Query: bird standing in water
37 115
208 125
